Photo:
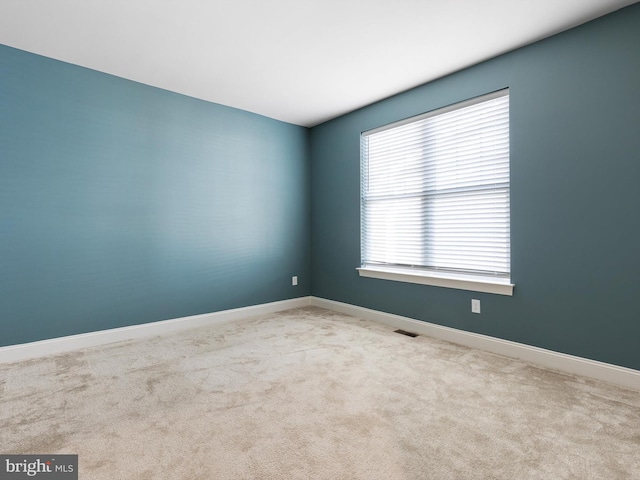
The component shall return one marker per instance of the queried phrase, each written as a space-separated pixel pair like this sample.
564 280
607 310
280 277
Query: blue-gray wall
123 204
575 196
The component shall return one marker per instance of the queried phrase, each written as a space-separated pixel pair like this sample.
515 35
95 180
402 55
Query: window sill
474 283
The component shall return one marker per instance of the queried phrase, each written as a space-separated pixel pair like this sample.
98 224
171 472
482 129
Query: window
435 197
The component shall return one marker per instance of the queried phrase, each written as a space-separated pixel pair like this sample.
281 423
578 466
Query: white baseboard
24 351
614 374
621 376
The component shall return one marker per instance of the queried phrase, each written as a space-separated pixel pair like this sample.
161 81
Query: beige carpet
311 394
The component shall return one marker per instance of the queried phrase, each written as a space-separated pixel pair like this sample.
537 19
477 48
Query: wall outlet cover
475 306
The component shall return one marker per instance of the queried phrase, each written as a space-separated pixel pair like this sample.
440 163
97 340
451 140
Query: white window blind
435 190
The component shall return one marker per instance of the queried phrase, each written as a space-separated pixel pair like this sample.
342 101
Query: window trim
474 283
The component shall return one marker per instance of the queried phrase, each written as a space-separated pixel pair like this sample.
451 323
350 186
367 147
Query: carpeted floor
312 394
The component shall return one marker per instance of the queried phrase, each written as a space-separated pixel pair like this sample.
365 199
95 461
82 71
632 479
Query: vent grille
404 332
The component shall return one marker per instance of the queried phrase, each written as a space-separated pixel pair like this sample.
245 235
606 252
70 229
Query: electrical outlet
475 306
294 281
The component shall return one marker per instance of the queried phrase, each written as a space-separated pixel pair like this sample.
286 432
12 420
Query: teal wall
123 204
575 196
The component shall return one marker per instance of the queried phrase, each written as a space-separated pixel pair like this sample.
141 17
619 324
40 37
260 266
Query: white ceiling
300 61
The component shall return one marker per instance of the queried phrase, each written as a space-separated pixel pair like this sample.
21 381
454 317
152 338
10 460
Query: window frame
448 279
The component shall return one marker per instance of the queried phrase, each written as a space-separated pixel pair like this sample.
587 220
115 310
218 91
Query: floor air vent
404 332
